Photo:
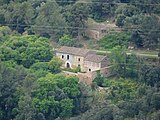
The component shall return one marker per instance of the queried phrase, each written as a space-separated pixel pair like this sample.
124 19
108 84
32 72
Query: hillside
125 33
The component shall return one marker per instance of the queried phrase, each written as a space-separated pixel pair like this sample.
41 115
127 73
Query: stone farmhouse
86 59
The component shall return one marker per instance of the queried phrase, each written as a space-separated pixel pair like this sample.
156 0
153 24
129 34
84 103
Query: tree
120 20
150 75
19 15
101 9
66 40
148 31
146 6
65 2
136 39
54 95
26 49
67 106
127 10
118 60
115 39
4 2
155 101
145 35
25 108
76 17
49 19
10 79
99 80
54 65
132 66
2 18
5 31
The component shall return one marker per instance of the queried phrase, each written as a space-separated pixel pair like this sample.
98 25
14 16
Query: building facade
86 59
73 57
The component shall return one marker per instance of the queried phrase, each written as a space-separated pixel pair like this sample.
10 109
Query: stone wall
93 66
70 73
89 76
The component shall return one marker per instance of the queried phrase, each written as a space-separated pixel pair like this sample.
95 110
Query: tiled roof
94 58
74 51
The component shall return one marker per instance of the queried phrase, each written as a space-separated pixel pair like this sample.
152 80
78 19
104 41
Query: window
79 59
67 57
89 69
62 56
104 31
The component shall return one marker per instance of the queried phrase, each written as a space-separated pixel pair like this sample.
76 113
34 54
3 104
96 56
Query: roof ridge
74 50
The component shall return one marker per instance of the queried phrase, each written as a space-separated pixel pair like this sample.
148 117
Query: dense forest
32 85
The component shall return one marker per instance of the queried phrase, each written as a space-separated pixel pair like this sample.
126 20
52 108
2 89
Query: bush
66 40
115 39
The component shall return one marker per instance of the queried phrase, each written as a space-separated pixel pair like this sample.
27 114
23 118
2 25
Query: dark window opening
89 69
79 59
104 31
67 57
62 56
78 65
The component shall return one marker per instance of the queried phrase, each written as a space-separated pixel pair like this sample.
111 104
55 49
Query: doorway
68 65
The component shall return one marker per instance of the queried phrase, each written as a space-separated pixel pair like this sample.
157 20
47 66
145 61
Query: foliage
50 19
127 10
103 111
65 2
99 80
26 50
54 26
101 10
41 69
129 100
118 60
150 75
124 65
66 41
38 92
120 20
75 70
54 65
10 79
55 94
76 17
115 39
5 31
132 66
19 15
146 34
121 89
142 20
123 12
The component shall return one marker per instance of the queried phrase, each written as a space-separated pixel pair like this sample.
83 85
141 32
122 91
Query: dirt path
128 53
